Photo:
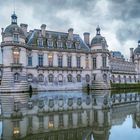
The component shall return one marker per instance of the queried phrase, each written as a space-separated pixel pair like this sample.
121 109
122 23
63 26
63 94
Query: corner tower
100 61
13 58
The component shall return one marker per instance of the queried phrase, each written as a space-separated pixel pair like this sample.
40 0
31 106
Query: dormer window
50 43
78 45
16 38
68 44
59 44
40 42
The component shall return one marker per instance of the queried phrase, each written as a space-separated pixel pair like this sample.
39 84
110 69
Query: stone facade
50 60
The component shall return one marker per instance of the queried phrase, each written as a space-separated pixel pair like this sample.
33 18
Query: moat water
75 115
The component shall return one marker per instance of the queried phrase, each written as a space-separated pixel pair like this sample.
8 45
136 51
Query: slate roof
34 35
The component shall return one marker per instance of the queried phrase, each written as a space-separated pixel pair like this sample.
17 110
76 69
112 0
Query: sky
119 20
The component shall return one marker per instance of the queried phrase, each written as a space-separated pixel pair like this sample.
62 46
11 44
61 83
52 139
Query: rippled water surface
72 115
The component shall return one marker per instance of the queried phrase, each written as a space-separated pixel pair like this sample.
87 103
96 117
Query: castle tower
137 60
13 58
100 61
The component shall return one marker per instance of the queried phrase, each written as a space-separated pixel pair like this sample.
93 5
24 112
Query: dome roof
98 39
13 28
137 50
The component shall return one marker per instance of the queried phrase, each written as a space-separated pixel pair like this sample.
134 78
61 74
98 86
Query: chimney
24 28
131 54
2 33
43 28
70 34
87 38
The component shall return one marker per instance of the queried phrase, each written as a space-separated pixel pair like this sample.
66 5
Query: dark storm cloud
47 11
128 12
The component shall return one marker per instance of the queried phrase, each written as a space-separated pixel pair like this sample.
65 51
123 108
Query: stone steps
100 85
9 85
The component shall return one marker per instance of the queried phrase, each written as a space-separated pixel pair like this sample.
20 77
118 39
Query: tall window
16 128
40 60
60 61
61 120
15 37
41 122
78 62
94 63
79 118
40 42
69 61
50 60
29 60
104 61
51 121
87 62
70 119
16 55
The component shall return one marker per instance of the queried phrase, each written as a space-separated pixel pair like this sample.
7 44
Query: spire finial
98 30
14 9
139 43
14 16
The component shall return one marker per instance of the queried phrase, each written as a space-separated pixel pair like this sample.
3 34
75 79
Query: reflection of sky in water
125 131
60 93
0 128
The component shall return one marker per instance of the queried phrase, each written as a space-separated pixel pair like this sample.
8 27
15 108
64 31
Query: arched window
50 78
78 78
135 78
60 78
16 77
119 78
87 78
69 77
124 79
105 77
130 80
30 77
113 78
40 77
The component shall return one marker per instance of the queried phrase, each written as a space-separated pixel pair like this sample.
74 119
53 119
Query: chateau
50 60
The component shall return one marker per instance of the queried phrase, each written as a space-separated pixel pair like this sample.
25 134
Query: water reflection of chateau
80 117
